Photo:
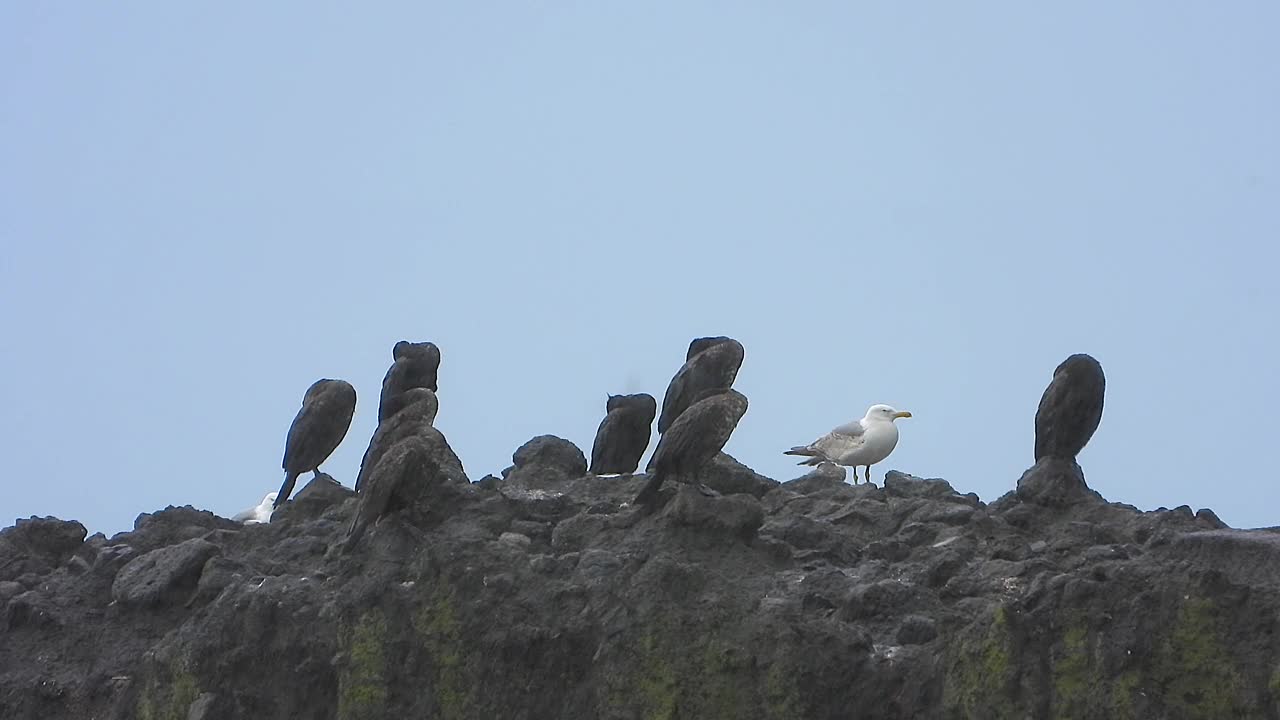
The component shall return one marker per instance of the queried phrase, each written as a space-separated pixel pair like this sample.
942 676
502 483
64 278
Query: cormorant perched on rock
623 435
861 442
1070 408
316 431
404 465
713 364
697 345
416 408
415 365
411 466
694 439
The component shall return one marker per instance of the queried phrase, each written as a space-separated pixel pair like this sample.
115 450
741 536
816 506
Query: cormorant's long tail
650 491
290 479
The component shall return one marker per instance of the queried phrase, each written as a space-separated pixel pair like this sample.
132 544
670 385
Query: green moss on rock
440 632
168 696
655 681
1122 692
781 693
673 672
1193 669
979 672
1074 673
362 680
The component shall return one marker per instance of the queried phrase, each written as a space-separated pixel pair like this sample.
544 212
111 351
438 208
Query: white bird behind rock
259 514
861 442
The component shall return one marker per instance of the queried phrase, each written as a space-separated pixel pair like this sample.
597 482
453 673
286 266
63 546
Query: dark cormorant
416 408
697 436
623 435
415 365
1070 408
702 343
316 431
411 466
713 364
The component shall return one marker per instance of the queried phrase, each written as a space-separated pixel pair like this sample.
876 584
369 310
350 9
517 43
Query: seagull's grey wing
836 444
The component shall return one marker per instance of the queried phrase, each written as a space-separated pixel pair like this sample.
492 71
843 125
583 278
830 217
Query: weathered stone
886 597
553 455
204 708
916 630
516 540
737 515
157 576
30 608
321 493
38 545
575 532
825 476
904 485
1056 483
727 476
551 596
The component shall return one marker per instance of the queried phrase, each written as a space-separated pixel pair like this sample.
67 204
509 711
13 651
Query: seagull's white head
884 413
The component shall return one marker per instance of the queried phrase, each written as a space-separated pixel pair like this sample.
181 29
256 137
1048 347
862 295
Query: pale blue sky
206 207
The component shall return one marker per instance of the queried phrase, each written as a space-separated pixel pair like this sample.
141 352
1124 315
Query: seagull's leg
867 474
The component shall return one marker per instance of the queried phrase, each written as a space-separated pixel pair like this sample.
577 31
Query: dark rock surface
547 456
162 573
546 595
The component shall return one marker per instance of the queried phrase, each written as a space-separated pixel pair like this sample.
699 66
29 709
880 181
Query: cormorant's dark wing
697 375
392 385
693 440
715 366
605 447
300 445
646 407
410 420
319 426
1070 409
675 400
396 466
696 436
1048 411
378 446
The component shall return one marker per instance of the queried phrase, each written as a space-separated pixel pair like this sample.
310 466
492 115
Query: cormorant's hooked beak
901 414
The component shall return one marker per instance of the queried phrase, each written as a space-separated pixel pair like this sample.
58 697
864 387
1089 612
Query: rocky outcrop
545 595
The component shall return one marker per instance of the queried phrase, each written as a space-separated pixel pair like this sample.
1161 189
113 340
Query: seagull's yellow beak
901 414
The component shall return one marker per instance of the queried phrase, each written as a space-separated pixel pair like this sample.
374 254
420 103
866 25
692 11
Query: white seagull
861 442
259 514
